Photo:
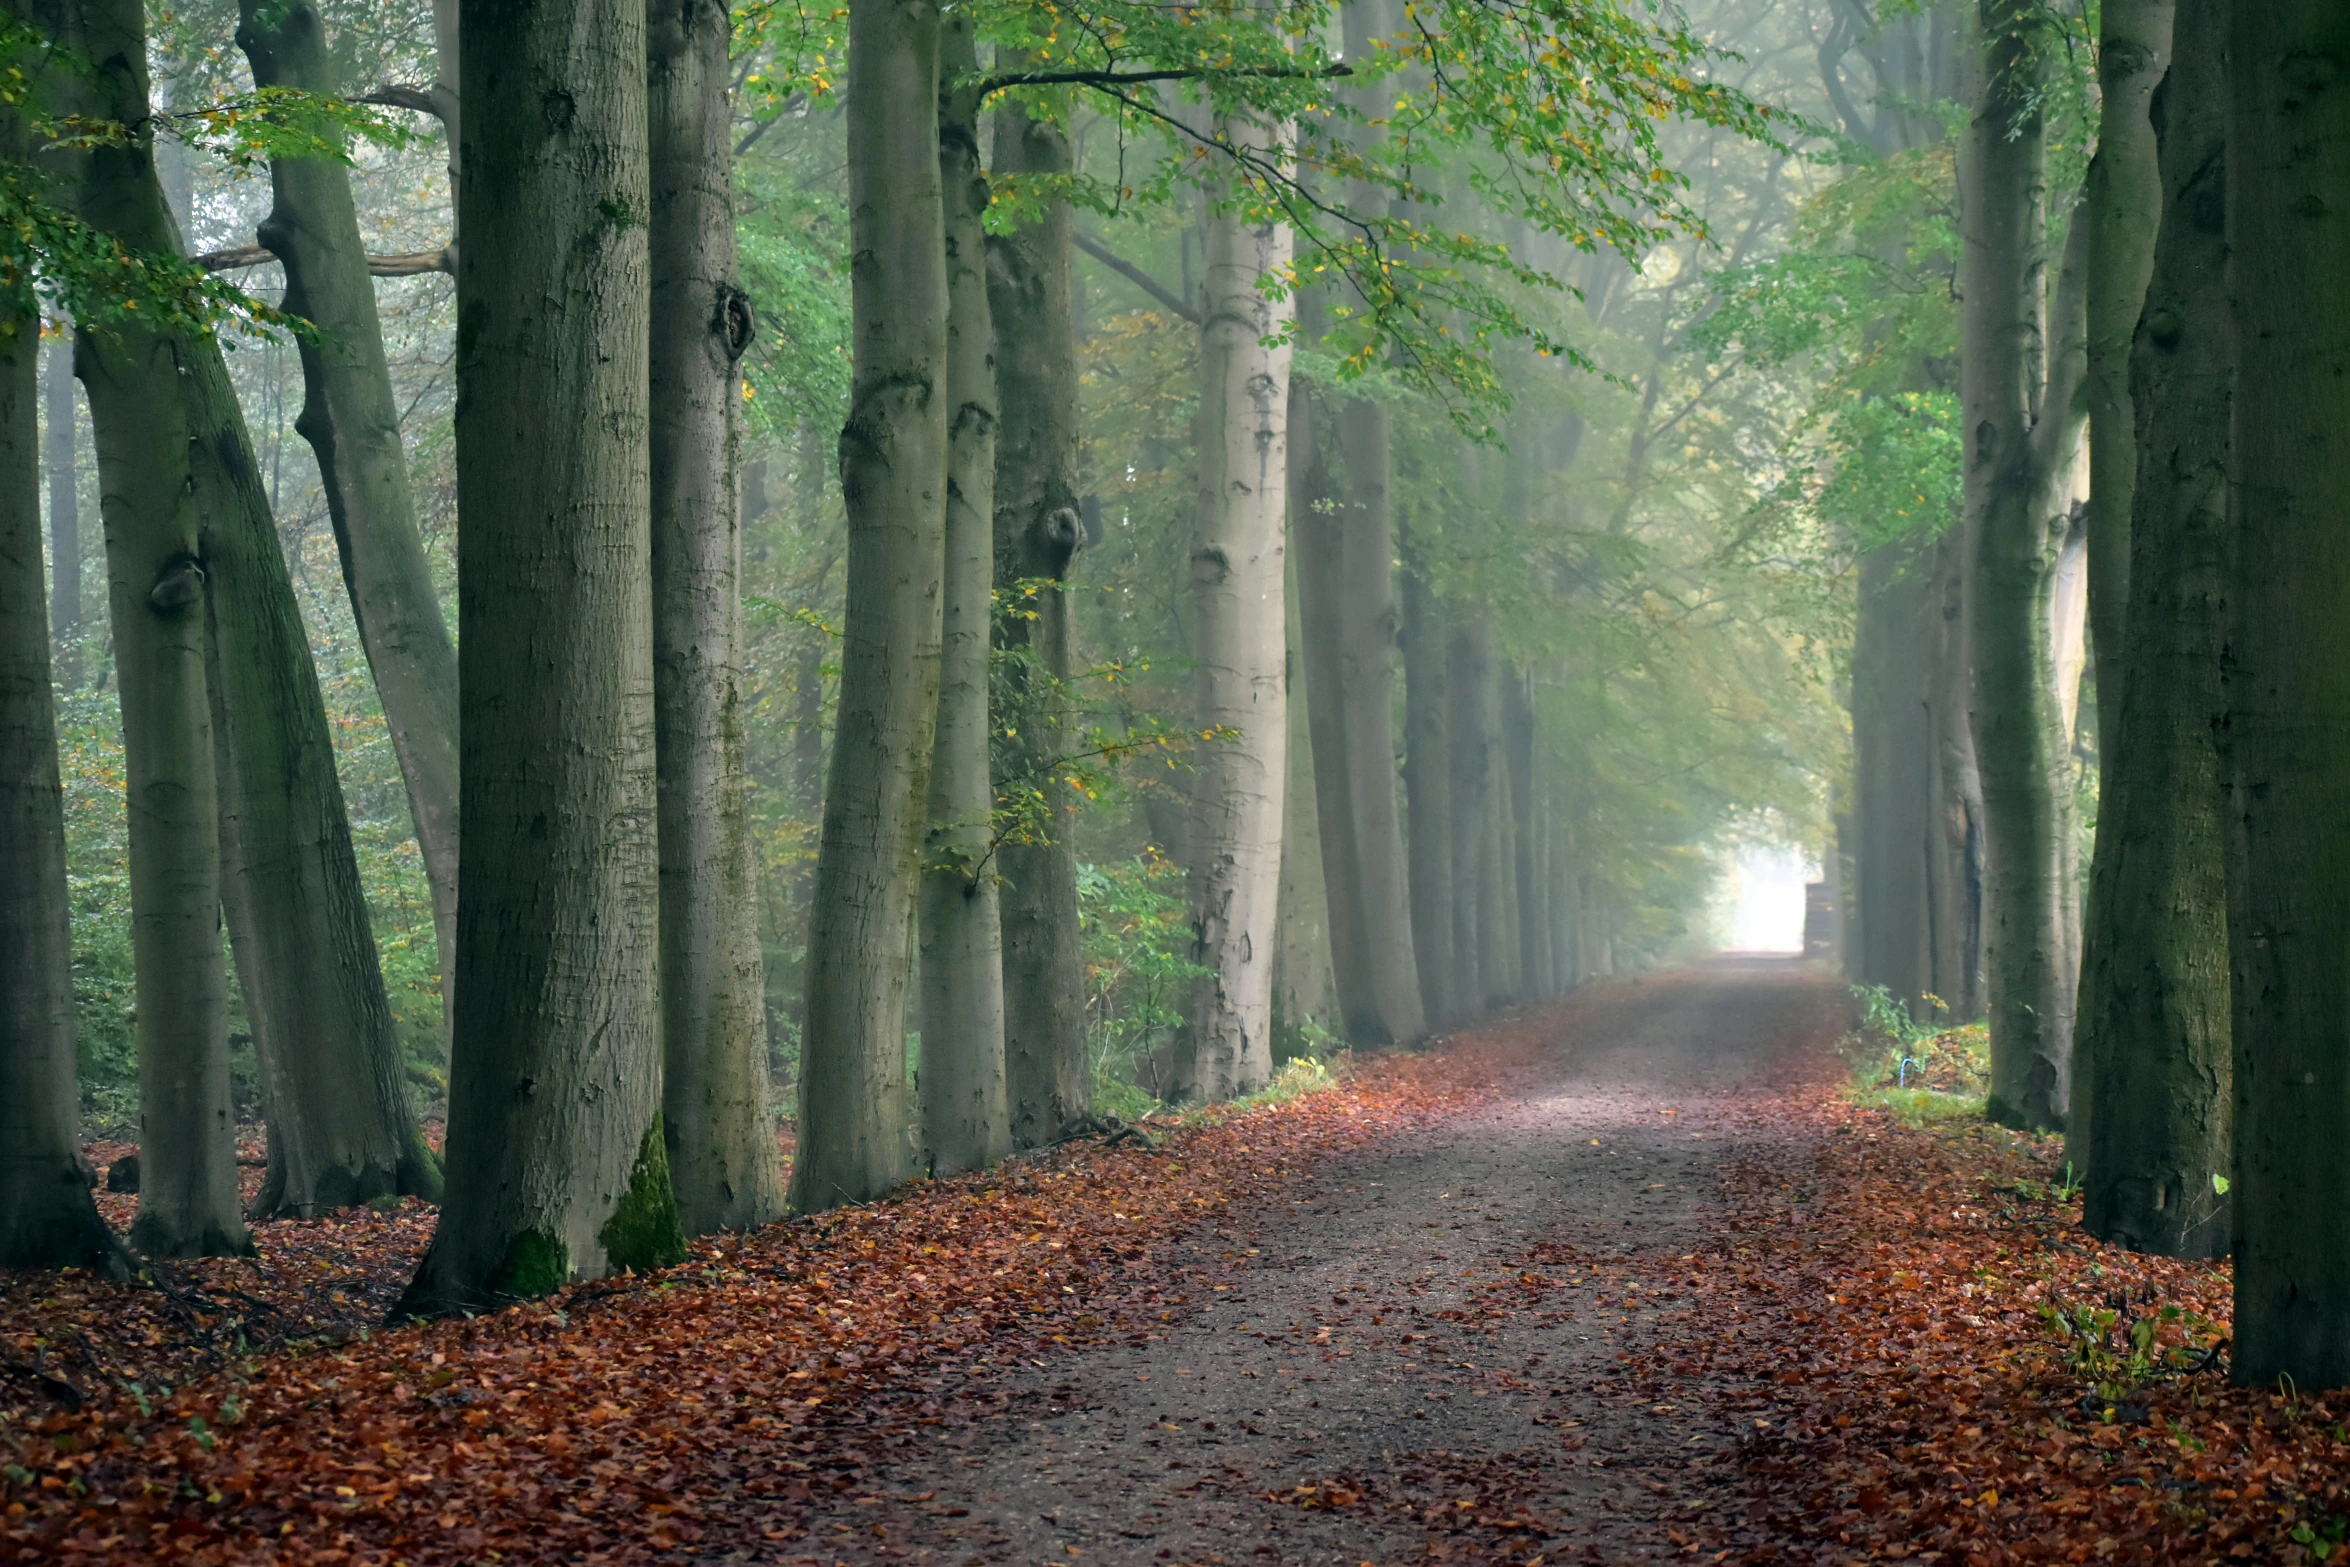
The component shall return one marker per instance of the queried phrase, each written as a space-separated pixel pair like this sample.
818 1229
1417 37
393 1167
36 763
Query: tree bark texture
2121 206
1319 538
47 1219
188 1203
966 1118
715 1103
1892 800
1038 531
557 1168
2151 1096
1304 986
1367 635
2288 687
854 1106
58 457
351 419
2020 369
1427 778
1954 844
1241 683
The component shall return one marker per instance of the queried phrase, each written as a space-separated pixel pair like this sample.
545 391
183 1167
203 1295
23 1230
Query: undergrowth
1919 1072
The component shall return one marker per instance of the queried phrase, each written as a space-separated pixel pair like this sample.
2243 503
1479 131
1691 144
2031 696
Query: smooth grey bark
854 1105
1240 683
1497 885
2288 688
1304 986
1367 637
1427 778
351 419
2121 204
47 1219
188 1203
2021 367
2151 1072
966 1119
59 459
1892 798
1318 536
1038 532
715 1109
557 1168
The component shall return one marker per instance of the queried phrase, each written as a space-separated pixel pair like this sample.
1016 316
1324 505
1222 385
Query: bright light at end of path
1766 898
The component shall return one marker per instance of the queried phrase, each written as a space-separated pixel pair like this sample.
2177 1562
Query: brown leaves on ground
634 1416
1930 1360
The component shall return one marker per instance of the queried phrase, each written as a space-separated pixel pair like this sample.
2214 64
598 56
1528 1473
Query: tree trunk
2121 205
1304 987
1427 776
1367 632
1891 797
715 1110
1234 835
1954 791
1497 924
1320 542
2151 1093
854 1121
1038 531
46 1217
65 509
2288 689
2021 366
351 419
557 1168
1517 729
966 1119
1469 681
188 1203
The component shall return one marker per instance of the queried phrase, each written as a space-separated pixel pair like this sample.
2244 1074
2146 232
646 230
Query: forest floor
1629 1279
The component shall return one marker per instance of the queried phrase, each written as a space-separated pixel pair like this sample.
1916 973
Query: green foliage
1131 919
2119 1349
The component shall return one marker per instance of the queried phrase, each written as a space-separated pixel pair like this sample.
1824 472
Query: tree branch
992 85
415 263
1133 274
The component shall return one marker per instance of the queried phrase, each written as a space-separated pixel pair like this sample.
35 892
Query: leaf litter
1907 1346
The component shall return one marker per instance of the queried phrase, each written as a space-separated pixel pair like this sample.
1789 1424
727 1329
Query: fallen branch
415 263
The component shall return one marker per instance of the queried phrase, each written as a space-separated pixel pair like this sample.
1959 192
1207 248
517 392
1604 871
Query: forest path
1426 1355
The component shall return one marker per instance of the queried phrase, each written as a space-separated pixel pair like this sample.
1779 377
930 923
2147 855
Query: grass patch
1920 1106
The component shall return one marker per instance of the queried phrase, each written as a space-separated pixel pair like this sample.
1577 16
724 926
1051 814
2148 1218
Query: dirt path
1422 1358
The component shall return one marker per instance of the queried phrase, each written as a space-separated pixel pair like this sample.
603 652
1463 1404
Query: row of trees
2143 341
607 1091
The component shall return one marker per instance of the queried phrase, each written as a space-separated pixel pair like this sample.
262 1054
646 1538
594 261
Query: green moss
643 1231
537 1263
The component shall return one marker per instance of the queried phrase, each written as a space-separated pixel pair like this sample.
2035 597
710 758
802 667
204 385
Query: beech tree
351 419
2021 367
47 1219
965 1116
893 464
721 1144
2288 687
1232 840
1038 533
2152 1096
557 1165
